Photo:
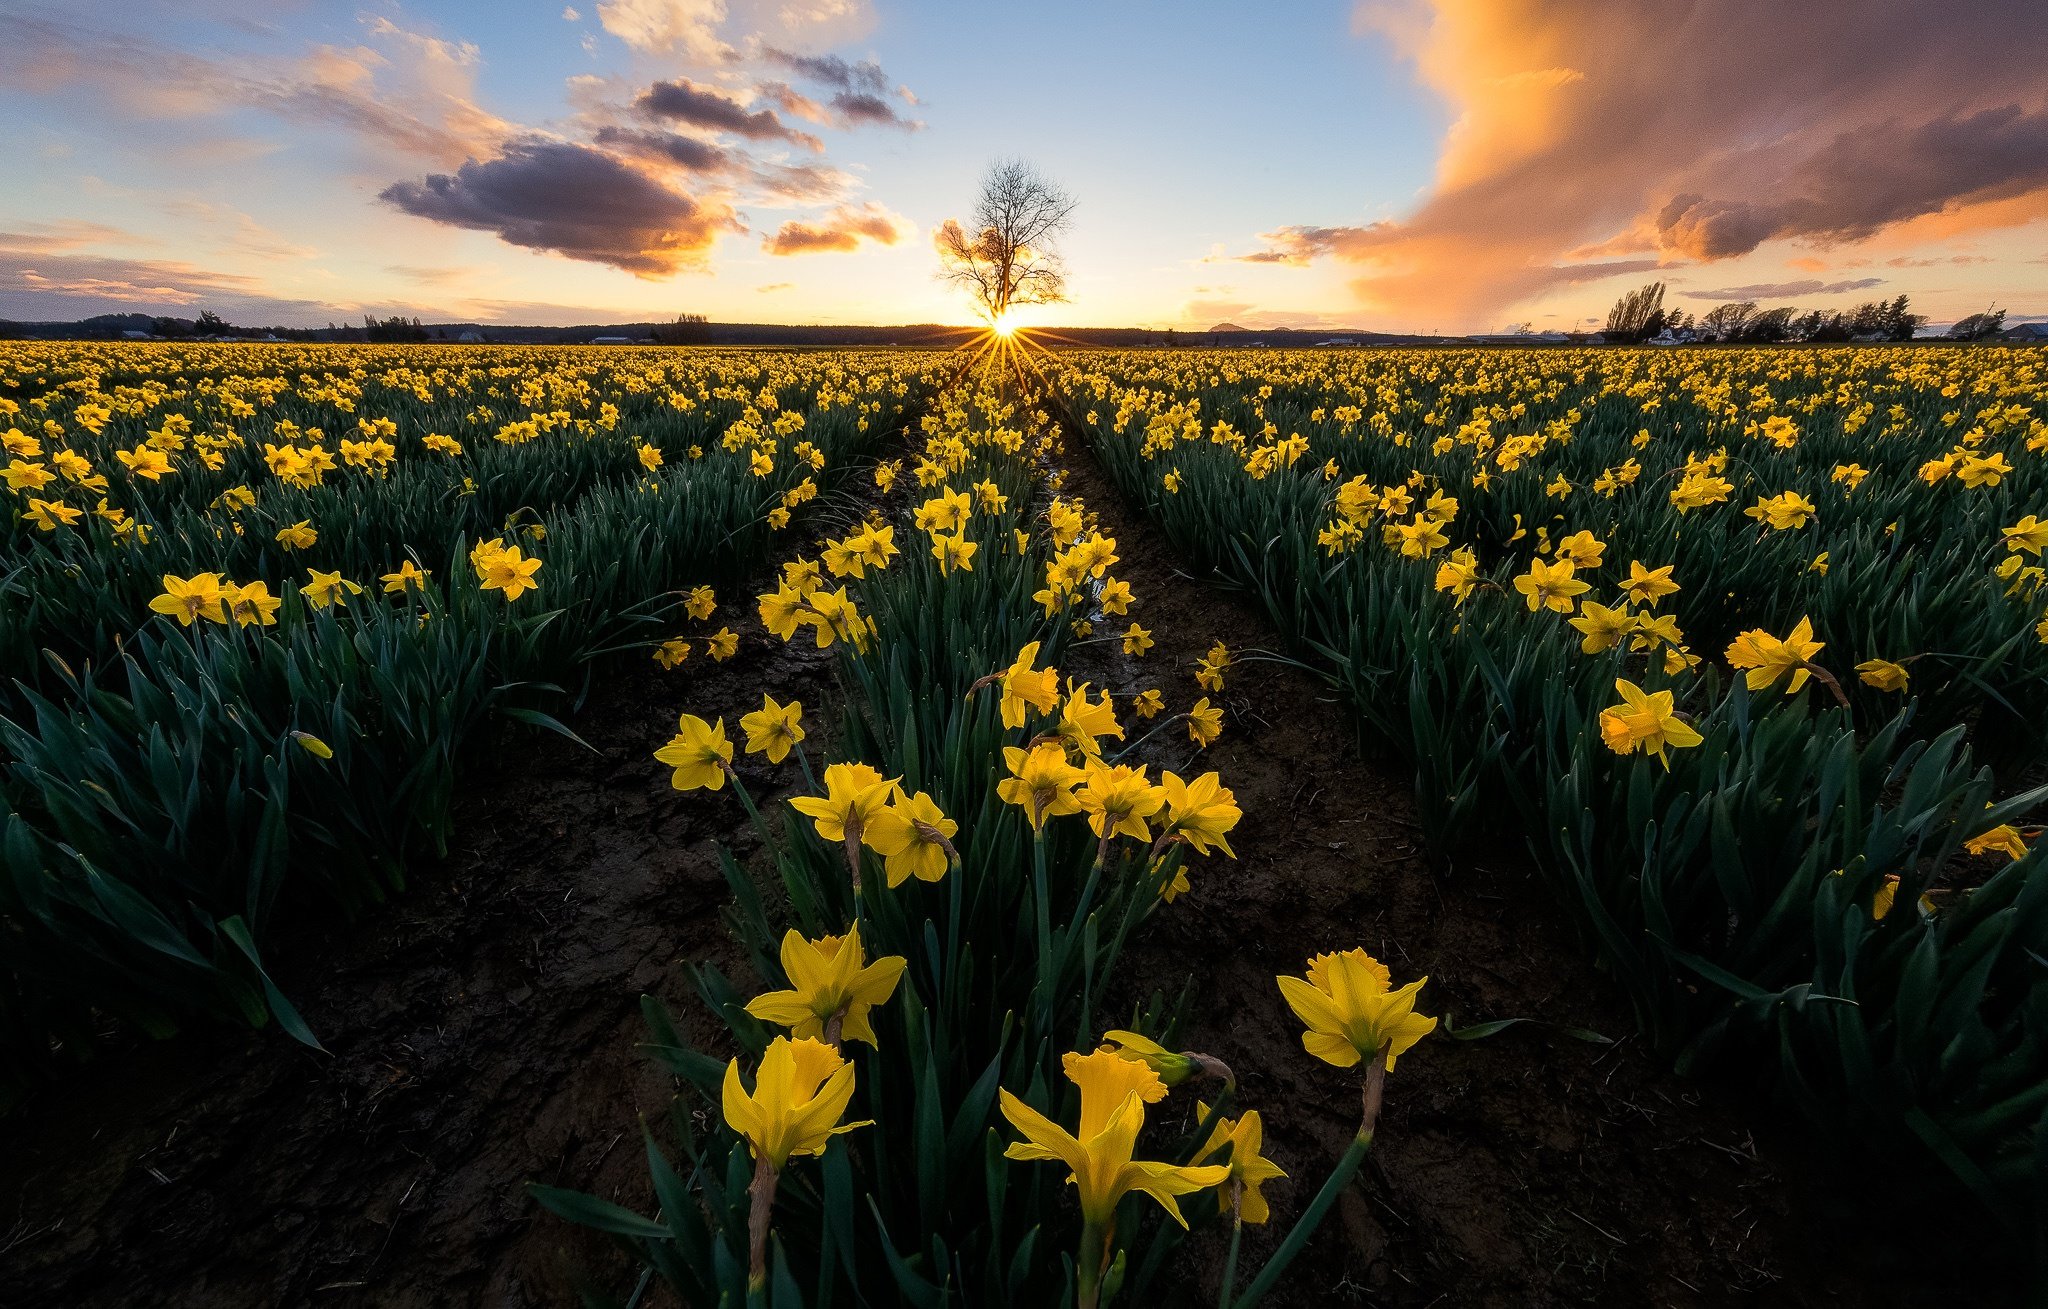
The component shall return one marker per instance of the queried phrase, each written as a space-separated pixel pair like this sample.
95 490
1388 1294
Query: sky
1395 165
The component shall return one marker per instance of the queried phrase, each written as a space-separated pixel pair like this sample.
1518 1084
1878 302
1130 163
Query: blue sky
1402 164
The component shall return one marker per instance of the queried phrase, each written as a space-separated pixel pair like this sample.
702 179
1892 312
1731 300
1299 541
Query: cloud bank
1595 137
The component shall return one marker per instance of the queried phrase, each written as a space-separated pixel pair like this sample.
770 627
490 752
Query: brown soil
484 1034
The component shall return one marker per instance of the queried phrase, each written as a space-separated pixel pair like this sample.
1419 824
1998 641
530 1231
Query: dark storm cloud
861 91
683 101
865 77
1870 178
574 200
667 147
858 109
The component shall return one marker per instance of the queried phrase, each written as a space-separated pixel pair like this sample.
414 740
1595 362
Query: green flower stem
1230 1260
803 760
739 789
1044 906
1091 1261
1319 1208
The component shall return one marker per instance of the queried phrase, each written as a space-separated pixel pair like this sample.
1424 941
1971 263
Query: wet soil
483 1034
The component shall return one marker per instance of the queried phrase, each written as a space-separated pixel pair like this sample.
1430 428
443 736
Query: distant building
2030 332
133 335
470 338
611 340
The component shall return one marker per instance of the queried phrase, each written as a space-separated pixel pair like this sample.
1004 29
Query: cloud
860 96
1299 246
802 184
1780 290
233 232
55 238
1869 178
776 286
858 109
433 275
1591 128
131 281
36 284
684 101
1956 261
865 77
685 152
571 199
409 96
840 231
685 27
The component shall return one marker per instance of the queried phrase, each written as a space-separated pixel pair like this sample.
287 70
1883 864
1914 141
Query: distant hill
1226 327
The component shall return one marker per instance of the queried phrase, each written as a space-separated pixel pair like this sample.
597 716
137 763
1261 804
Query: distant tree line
1640 315
687 329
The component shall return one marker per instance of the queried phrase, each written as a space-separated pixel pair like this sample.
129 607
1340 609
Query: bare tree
1006 256
1728 322
1637 316
1979 327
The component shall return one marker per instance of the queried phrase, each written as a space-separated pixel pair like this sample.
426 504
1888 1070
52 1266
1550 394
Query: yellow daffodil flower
773 728
914 839
699 754
1767 659
1351 1010
1239 1140
1041 782
831 985
1098 1154
1551 586
199 596
1027 688
1645 721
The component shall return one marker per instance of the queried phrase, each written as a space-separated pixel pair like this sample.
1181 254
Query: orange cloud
1699 132
838 232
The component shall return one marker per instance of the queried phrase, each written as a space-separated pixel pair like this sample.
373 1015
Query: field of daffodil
254 603
951 891
1751 644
